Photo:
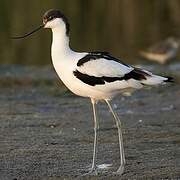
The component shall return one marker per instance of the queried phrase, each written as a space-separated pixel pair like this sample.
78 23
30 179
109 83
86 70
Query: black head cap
52 14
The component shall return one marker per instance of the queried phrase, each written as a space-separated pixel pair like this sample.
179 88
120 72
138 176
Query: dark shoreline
47 133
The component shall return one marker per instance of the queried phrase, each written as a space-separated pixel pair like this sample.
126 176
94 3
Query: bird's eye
50 18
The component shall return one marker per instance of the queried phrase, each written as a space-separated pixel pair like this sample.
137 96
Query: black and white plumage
101 68
97 75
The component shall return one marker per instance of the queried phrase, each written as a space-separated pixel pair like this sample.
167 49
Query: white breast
65 62
65 65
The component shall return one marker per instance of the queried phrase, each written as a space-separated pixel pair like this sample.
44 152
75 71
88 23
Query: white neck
60 42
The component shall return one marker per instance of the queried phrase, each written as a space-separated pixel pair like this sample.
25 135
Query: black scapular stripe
136 74
98 55
90 80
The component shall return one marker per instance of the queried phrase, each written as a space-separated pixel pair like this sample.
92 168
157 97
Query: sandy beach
46 132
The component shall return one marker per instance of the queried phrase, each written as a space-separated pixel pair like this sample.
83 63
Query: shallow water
46 132
120 27
20 74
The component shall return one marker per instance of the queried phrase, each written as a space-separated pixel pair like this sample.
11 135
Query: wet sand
47 133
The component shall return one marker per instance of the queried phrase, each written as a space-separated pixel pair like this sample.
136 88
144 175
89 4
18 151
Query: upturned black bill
29 33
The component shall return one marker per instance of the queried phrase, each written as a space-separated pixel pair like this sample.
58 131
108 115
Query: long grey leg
95 135
93 167
121 148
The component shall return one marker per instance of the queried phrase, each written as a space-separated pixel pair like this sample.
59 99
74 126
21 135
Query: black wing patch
136 74
90 80
97 55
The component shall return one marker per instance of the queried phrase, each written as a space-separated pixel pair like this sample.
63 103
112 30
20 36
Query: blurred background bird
163 51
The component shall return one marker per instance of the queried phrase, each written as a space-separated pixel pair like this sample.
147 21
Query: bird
162 51
96 75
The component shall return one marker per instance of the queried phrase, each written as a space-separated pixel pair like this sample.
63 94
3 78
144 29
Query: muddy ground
47 133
